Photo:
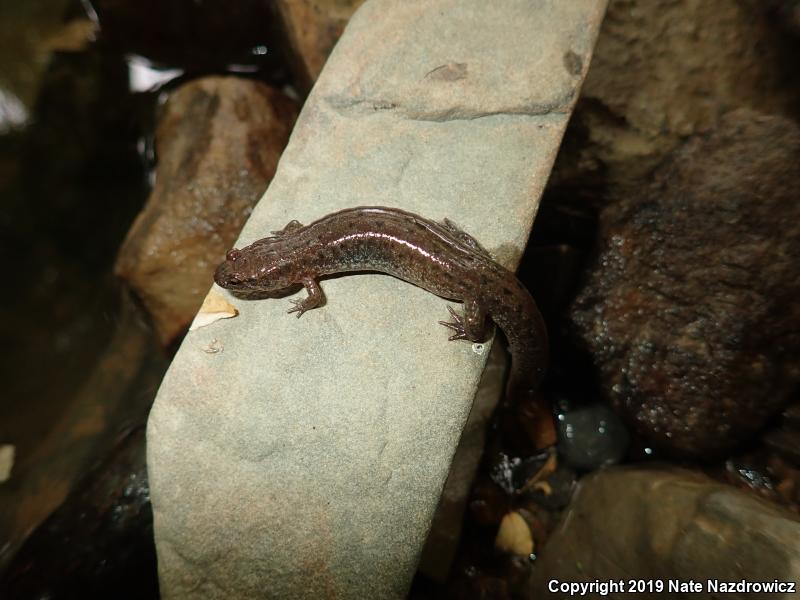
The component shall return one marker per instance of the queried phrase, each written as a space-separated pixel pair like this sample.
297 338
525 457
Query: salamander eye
233 254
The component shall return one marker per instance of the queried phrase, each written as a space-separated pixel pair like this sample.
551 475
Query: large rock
664 70
218 142
99 543
117 391
305 458
688 310
312 28
660 525
442 543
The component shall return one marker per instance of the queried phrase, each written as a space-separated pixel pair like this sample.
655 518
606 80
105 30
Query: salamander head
254 268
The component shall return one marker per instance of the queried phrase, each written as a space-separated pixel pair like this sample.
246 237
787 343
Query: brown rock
785 439
99 542
664 70
785 13
218 143
662 525
691 311
312 28
117 391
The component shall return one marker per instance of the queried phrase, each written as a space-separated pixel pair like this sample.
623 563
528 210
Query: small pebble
590 436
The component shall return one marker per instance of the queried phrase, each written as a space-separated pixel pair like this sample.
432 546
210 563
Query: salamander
438 257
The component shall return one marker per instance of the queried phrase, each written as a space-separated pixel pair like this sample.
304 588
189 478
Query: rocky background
136 137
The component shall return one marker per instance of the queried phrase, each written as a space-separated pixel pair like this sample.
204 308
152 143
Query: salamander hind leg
314 299
471 326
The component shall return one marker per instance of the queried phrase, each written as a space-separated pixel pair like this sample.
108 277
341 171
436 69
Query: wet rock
79 365
218 143
667 524
662 71
750 472
512 473
118 390
689 311
528 424
99 542
480 586
787 481
540 522
555 490
590 436
312 28
489 502
785 438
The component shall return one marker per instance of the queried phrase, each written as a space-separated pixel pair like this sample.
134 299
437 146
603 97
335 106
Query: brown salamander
437 257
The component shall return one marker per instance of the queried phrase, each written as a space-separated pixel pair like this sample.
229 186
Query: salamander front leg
472 326
314 299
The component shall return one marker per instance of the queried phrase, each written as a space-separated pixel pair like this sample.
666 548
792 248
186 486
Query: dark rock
785 438
663 70
312 28
512 473
480 586
668 524
750 471
99 543
557 491
186 33
528 425
218 143
489 503
763 471
117 390
590 436
786 13
540 522
690 312
787 478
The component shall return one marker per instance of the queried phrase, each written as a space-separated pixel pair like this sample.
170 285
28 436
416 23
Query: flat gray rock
299 458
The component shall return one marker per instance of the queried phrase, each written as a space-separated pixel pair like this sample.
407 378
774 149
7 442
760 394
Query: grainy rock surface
690 310
442 543
668 524
218 143
304 458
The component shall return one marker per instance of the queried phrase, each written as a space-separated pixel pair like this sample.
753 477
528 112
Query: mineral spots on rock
448 72
573 63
